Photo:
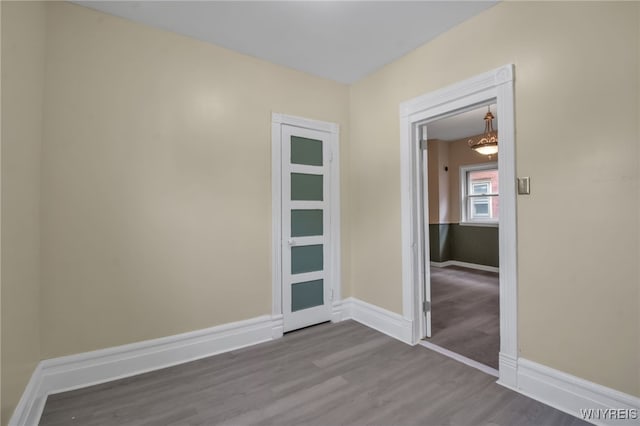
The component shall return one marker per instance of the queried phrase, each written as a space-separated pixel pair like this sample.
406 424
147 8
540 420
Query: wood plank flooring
331 374
466 312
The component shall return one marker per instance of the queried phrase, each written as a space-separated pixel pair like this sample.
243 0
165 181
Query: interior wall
444 210
433 180
23 44
444 186
574 315
438 181
157 180
448 240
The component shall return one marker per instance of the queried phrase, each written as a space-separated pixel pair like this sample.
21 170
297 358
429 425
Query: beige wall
574 314
23 35
157 180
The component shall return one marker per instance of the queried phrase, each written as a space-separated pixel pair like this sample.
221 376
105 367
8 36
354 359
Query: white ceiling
339 40
460 126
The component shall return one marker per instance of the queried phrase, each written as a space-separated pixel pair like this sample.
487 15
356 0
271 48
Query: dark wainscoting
464 243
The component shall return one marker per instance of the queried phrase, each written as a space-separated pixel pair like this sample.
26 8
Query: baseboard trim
571 394
465 265
387 322
91 368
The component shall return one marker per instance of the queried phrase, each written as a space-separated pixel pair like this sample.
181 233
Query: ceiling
460 126
339 40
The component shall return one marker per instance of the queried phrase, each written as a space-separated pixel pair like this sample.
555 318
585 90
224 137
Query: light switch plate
524 187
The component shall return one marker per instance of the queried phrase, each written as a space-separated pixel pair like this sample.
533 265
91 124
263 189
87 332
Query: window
479 188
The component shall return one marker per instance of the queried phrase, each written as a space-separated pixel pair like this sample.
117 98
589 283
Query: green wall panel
475 244
464 243
440 242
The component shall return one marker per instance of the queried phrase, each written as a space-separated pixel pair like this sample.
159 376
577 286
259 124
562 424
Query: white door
306 227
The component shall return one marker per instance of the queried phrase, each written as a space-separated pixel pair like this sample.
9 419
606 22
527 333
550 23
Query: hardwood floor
331 374
465 313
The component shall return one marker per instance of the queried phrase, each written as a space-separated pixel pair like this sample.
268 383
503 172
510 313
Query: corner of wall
23 29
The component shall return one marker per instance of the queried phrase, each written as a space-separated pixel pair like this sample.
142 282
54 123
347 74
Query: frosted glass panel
305 223
306 151
307 295
305 187
306 259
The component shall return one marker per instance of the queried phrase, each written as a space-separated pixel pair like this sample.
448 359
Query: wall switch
524 186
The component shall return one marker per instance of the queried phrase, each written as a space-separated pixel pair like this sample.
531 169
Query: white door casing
497 84
284 278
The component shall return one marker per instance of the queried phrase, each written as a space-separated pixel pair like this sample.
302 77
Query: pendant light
487 143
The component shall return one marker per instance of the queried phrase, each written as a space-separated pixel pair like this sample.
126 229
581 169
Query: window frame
466 203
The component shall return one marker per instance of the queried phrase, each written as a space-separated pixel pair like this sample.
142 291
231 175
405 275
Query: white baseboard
90 368
571 394
465 265
380 319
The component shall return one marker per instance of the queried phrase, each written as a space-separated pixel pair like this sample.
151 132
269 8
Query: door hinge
423 144
331 295
426 306
331 156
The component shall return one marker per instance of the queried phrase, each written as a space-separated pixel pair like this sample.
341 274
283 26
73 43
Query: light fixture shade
487 143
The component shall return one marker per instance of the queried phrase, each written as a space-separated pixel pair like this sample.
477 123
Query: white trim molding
90 368
493 86
380 319
465 265
572 394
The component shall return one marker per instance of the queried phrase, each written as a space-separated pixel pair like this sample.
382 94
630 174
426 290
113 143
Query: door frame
497 84
333 136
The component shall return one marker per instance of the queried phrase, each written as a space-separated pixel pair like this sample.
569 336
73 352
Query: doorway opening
462 206
496 86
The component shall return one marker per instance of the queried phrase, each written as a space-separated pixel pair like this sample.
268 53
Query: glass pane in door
306 223
306 259
306 151
306 187
307 295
